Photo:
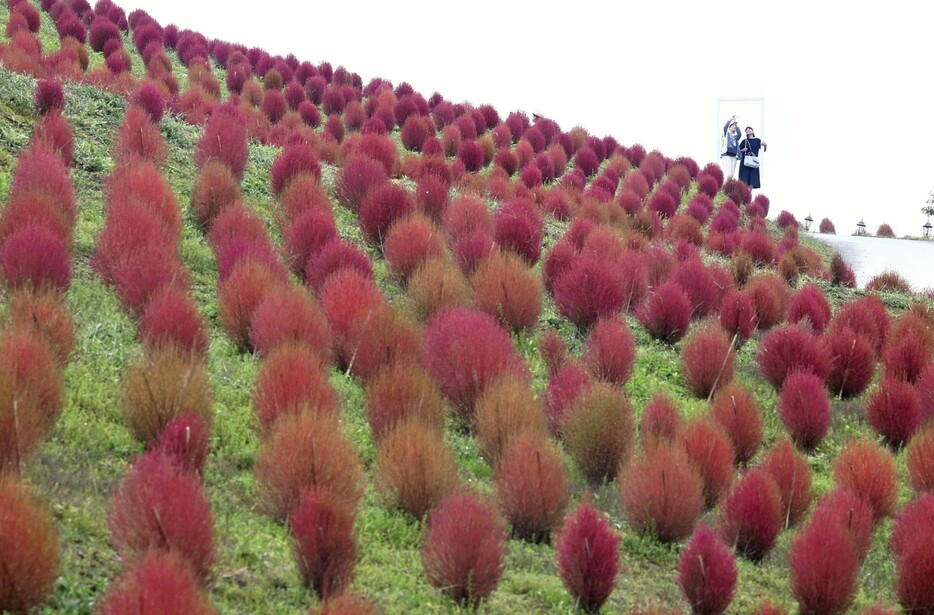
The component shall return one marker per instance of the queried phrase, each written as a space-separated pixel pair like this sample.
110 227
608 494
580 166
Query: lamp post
927 229
807 222
860 227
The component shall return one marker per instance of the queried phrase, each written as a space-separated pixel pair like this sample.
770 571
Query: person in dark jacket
729 150
751 145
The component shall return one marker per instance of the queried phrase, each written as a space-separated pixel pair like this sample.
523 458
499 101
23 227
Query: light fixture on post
860 227
807 222
927 229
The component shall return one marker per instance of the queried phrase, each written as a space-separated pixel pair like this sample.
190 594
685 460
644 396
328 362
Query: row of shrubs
160 519
36 232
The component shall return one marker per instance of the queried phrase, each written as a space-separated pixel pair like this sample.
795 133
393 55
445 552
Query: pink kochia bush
464 351
325 549
463 547
588 560
162 583
824 565
518 227
590 287
707 573
894 411
912 543
610 351
852 361
792 348
752 515
667 313
804 409
158 506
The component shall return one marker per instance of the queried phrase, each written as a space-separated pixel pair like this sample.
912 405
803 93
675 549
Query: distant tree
928 209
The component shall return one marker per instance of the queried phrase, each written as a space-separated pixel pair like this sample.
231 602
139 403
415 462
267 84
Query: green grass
90 447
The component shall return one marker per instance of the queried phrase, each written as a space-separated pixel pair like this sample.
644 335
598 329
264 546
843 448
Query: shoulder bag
750 160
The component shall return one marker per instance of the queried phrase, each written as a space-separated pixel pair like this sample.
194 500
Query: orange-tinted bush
45 314
868 470
662 493
384 337
707 360
711 451
248 284
29 546
661 420
411 242
415 468
302 451
215 189
507 408
920 460
506 289
610 351
162 384
437 284
736 410
790 470
532 485
402 392
598 432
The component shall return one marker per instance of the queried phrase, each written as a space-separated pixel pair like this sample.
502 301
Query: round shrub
532 486
588 557
804 409
752 515
598 432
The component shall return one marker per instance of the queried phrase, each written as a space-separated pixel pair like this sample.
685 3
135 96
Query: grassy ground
80 464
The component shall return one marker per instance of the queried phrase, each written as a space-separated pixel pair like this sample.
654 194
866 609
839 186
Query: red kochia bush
824 565
914 520
564 386
920 460
158 506
162 583
290 314
382 338
334 256
225 139
54 132
907 358
736 410
610 351
325 549
518 227
792 474
662 493
711 452
306 235
172 318
357 178
792 348
738 315
852 361
463 548
292 379
139 139
588 559
707 360
239 296
868 470
804 408
381 208
465 365
184 441
894 411
809 303
295 159
35 256
29 546
866 316
915 567
769 292
304 451
661 421
49 96
851 513
667 312
532 486
752 515
707 573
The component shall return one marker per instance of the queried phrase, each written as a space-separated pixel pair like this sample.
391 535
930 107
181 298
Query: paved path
869 256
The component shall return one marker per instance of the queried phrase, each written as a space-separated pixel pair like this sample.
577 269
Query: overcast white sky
847 86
